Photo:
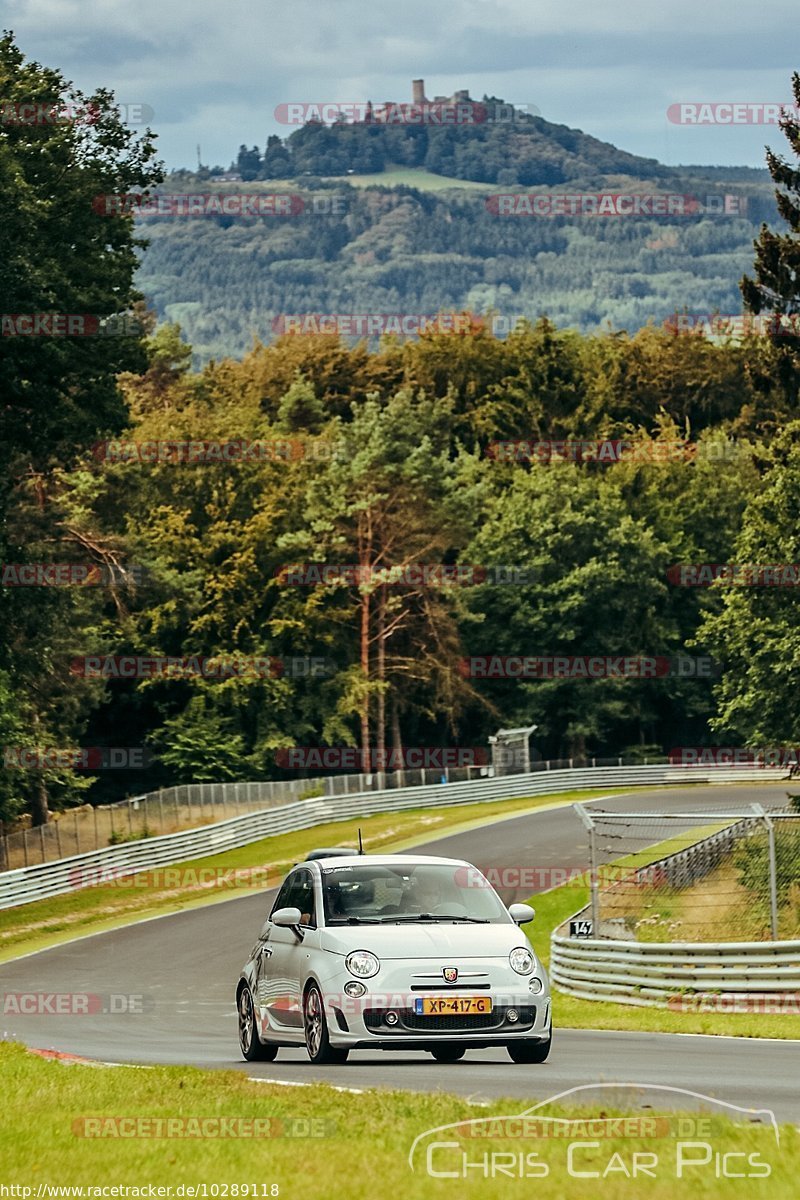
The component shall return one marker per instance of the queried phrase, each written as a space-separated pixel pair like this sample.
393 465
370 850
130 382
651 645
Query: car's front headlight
521 960
362 963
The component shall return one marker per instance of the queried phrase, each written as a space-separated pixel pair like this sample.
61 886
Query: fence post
58 837
25 845
161 809
96 832
590 828
111 818
130 818
77 833
773 869
41 840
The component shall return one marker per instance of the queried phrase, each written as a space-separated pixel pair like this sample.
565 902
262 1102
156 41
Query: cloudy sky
214 71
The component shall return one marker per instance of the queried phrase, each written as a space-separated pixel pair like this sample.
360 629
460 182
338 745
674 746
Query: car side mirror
521 913
288 918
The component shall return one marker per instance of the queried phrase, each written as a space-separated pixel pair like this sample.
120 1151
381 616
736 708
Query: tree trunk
40 809
397 742
365 755
380 729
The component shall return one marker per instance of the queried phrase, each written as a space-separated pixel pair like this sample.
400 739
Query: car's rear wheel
318 1043
448 1054
253 1049
529 1051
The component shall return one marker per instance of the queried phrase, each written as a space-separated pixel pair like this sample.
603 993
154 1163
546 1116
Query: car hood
425 941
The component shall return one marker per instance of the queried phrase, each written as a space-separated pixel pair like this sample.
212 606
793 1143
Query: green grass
48 922
416 177
364 1153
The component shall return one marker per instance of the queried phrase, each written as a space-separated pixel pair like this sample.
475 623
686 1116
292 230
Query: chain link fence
711 876
88 827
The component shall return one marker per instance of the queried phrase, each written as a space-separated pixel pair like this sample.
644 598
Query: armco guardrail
25 884
671 974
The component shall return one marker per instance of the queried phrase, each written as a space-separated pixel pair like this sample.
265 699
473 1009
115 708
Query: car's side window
304 899
283 898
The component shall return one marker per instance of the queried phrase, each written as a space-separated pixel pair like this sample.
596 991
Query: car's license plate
451 1006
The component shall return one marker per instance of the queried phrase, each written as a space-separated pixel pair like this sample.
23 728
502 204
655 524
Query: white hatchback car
392 952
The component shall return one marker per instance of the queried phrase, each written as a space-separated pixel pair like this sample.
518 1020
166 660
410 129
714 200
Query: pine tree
776 287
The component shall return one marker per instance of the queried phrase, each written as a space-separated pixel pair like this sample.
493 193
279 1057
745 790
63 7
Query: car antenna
360 843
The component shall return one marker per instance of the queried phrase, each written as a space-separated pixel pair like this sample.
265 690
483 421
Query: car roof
388 860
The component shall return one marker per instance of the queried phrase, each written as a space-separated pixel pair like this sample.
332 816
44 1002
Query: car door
283 963
268 992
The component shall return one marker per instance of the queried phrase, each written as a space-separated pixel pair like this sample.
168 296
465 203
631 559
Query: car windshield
425 892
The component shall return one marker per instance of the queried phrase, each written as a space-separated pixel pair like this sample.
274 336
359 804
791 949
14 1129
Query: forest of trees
525 150
227 280
382 459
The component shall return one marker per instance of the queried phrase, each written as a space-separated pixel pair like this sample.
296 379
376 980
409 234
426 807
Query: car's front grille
375 1021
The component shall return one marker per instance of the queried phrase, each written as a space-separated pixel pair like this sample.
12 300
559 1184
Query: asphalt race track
186 967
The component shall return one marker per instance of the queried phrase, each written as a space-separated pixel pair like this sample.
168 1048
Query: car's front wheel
448 1053
253 1049
318 1042
530 1051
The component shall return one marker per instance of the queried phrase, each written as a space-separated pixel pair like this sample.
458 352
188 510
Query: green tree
777 264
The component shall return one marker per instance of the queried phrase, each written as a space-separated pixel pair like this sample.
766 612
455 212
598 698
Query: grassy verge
552 908
416 177
259 865
363 1152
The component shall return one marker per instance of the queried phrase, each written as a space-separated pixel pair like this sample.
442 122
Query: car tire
447 1053
251 1046
318 1042
529 1051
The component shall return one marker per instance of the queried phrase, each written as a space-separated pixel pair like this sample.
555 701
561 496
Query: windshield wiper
397 917
354 921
